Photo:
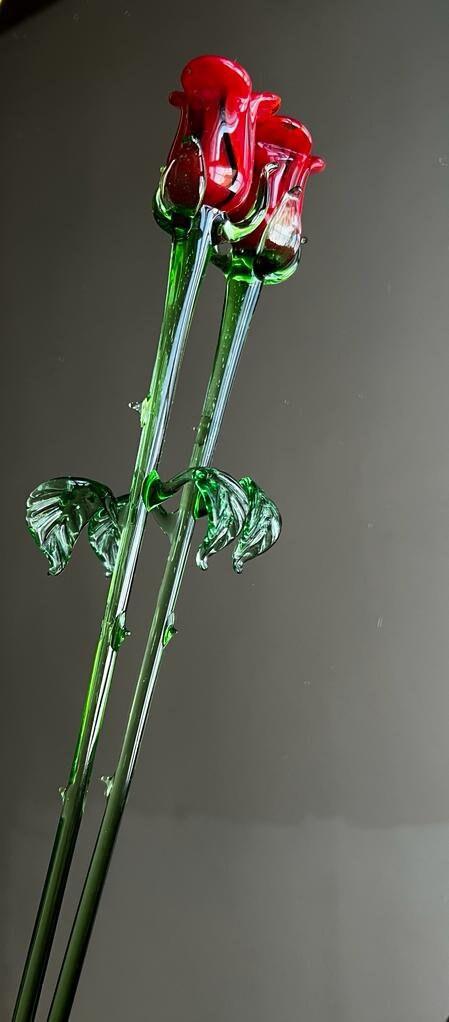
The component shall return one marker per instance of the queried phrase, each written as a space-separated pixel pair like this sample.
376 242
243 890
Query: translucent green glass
233 157
240 302
190 252
237 511
233 508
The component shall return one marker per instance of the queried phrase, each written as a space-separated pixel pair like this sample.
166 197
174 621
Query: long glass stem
240 302
189 256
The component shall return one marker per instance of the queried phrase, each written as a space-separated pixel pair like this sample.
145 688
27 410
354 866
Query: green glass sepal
234 232
278 276
278 253
172 216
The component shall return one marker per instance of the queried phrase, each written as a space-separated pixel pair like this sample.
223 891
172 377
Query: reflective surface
235 511
57 510
287 838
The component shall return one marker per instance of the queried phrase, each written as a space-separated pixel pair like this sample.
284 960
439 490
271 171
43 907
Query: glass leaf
56 512
105 529
226 504
262 526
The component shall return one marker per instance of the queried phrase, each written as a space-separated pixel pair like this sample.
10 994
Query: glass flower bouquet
231 193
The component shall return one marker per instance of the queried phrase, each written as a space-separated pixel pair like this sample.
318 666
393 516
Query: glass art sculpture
231 193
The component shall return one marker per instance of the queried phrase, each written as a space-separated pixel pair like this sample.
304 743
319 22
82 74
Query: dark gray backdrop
285 853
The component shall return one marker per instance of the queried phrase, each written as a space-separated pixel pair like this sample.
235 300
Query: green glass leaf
105 529
226 504
57 511
232 508
262 526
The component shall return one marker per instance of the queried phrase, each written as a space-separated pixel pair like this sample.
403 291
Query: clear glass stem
189 256
240 301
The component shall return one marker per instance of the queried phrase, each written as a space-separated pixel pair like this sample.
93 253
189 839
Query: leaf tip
201 560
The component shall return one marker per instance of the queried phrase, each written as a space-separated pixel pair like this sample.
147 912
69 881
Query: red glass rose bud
219 110
288 144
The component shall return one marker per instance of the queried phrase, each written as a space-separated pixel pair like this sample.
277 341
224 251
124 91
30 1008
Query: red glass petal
288 143
286 133
317 164
264 104
219 108
210 78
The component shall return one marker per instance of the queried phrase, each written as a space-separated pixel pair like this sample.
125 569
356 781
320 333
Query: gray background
285 853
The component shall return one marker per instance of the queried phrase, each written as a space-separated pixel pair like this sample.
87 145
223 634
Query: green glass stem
240 301
189 256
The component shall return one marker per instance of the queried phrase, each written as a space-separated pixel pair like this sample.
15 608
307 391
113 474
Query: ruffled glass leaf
261 528
57 510
226 504
105 529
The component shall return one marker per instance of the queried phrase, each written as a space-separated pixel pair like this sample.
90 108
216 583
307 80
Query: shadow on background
13 11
